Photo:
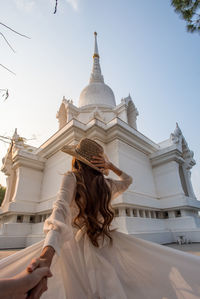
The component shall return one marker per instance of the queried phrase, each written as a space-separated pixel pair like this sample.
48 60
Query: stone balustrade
144 213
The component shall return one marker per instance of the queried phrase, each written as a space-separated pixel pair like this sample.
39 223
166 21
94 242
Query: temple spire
96 52
96 75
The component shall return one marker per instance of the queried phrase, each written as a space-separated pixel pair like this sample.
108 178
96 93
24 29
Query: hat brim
70 149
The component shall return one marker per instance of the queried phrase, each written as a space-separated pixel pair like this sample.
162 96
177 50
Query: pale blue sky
144 49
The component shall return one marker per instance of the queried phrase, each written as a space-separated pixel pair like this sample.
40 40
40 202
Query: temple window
178 213
19 218
32 219
165 215
134 213
116 211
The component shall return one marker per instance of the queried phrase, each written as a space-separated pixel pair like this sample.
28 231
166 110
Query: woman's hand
44 260
102 162
38 263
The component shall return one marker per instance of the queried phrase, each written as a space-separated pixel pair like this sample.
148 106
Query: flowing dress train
131 268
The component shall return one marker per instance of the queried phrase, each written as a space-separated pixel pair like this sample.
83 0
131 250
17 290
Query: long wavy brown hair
93 197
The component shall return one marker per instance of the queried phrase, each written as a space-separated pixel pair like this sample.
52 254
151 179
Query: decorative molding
178 139
165 156
31 161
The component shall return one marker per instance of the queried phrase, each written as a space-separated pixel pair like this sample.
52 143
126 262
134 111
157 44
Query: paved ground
191 248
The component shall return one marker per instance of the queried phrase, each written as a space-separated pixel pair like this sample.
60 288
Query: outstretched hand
44 260
18 287
41 287
37 281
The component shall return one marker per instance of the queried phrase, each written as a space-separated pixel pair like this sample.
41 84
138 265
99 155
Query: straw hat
84 151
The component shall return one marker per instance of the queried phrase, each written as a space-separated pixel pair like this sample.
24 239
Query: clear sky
144 49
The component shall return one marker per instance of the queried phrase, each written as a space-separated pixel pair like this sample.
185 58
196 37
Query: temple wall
137 164
138 211
167 180
55 167
28 185
111 149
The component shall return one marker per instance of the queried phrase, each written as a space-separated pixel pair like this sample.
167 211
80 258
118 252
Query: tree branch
14 30
6 94
4 141
7 69
7 42
56 4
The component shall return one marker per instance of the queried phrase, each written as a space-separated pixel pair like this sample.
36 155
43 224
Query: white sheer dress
131 268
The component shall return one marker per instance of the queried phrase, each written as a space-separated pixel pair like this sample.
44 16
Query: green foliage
189 10
2 193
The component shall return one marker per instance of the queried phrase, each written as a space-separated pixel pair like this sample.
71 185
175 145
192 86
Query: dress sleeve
57 226
119 186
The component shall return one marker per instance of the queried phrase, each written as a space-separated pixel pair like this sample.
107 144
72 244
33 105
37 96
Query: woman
89 194
89 259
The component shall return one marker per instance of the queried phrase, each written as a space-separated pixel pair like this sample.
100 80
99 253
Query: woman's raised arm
117 186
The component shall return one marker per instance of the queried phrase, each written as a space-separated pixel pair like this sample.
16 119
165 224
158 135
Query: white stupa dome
97 93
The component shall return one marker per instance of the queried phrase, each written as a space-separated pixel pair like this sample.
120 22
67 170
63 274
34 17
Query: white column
131 212
43 218
137 213
122 212
149 213
26 218
37 218
134 213
185 213
160 215
143 213
171 214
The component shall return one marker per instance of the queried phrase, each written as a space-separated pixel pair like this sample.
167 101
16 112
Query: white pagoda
159 206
